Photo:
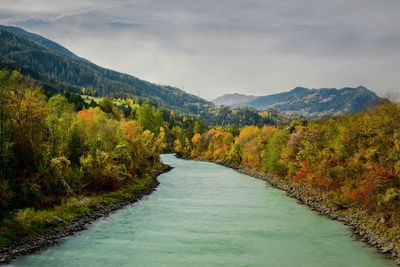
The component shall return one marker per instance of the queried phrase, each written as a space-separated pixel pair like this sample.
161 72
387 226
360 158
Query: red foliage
371 184
357 194
304 173
317 182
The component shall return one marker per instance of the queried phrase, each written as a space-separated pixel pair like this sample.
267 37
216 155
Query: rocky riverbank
18 249
357 220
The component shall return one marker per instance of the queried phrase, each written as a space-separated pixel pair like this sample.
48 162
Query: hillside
39 40
50 59
59 70
309 102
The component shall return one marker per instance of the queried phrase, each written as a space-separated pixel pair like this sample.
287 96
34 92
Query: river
203 214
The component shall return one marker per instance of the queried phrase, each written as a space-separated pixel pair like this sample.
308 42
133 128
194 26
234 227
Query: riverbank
367 229
85 212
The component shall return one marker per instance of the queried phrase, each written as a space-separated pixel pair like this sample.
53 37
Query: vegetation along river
204 214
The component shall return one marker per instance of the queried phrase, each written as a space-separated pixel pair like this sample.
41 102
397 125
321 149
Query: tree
198 128
161 141
250 151
108 106
75 145
271 161
6 195
101 172
48 152
28 127
197 146
59 122
6 154
135 148
149 118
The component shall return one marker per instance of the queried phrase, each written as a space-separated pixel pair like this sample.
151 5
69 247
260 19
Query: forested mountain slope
48 58
59 70
308 102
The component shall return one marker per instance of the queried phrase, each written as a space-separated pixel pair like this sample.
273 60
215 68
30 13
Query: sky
213 47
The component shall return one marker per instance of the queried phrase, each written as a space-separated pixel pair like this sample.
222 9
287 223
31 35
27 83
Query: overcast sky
212 47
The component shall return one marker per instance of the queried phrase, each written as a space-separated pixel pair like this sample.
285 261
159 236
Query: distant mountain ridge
308 102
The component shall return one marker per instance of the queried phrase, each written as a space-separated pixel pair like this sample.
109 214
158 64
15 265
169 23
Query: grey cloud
211 46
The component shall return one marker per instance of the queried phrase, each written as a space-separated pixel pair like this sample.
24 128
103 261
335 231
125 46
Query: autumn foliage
352 161
50 153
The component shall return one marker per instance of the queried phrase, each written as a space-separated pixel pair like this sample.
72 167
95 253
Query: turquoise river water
203 214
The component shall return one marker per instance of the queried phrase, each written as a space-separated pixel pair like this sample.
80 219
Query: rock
387 248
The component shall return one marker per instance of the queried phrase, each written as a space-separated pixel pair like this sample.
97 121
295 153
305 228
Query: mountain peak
308 102
362 88
234 100
299 89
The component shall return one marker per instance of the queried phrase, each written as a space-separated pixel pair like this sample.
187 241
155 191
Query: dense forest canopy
50 153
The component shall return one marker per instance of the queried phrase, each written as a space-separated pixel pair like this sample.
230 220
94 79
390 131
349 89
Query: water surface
204 214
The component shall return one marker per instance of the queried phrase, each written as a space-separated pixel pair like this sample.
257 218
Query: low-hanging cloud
211 47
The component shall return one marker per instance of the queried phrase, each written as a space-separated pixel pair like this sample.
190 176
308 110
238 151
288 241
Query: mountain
59 70
234 100
309 102
51 61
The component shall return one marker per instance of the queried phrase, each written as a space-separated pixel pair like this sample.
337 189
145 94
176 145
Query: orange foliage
130 129
196 138
197 145
85 115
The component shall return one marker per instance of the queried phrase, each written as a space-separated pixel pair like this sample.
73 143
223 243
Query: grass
26 224
88 98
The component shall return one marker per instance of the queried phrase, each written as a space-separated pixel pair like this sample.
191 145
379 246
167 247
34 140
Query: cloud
254 46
